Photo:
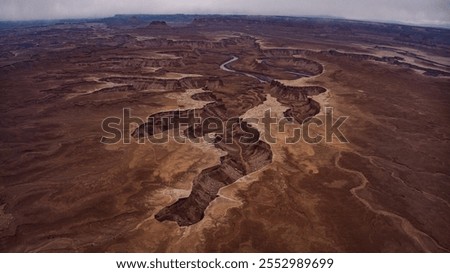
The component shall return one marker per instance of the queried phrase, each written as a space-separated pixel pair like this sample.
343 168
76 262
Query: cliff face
297 98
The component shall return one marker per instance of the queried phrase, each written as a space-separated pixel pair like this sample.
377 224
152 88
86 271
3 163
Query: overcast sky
435 12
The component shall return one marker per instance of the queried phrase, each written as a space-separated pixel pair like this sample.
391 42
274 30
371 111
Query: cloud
407 11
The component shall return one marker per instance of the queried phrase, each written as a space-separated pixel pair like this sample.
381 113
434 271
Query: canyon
201 172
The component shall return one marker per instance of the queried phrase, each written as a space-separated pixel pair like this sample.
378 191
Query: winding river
225 67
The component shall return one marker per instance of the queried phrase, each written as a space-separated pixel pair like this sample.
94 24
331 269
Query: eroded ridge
301 106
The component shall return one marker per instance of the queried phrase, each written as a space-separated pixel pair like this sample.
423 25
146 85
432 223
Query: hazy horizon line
394 22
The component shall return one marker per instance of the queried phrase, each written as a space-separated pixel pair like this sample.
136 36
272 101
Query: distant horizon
93 18
434 13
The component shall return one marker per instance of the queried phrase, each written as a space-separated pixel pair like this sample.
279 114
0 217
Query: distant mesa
158 24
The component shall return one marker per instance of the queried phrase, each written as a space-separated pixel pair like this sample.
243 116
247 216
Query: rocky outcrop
297 98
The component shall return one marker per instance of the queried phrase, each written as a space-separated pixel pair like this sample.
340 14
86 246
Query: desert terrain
178 181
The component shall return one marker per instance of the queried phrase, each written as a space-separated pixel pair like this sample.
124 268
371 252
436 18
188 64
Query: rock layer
301 105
